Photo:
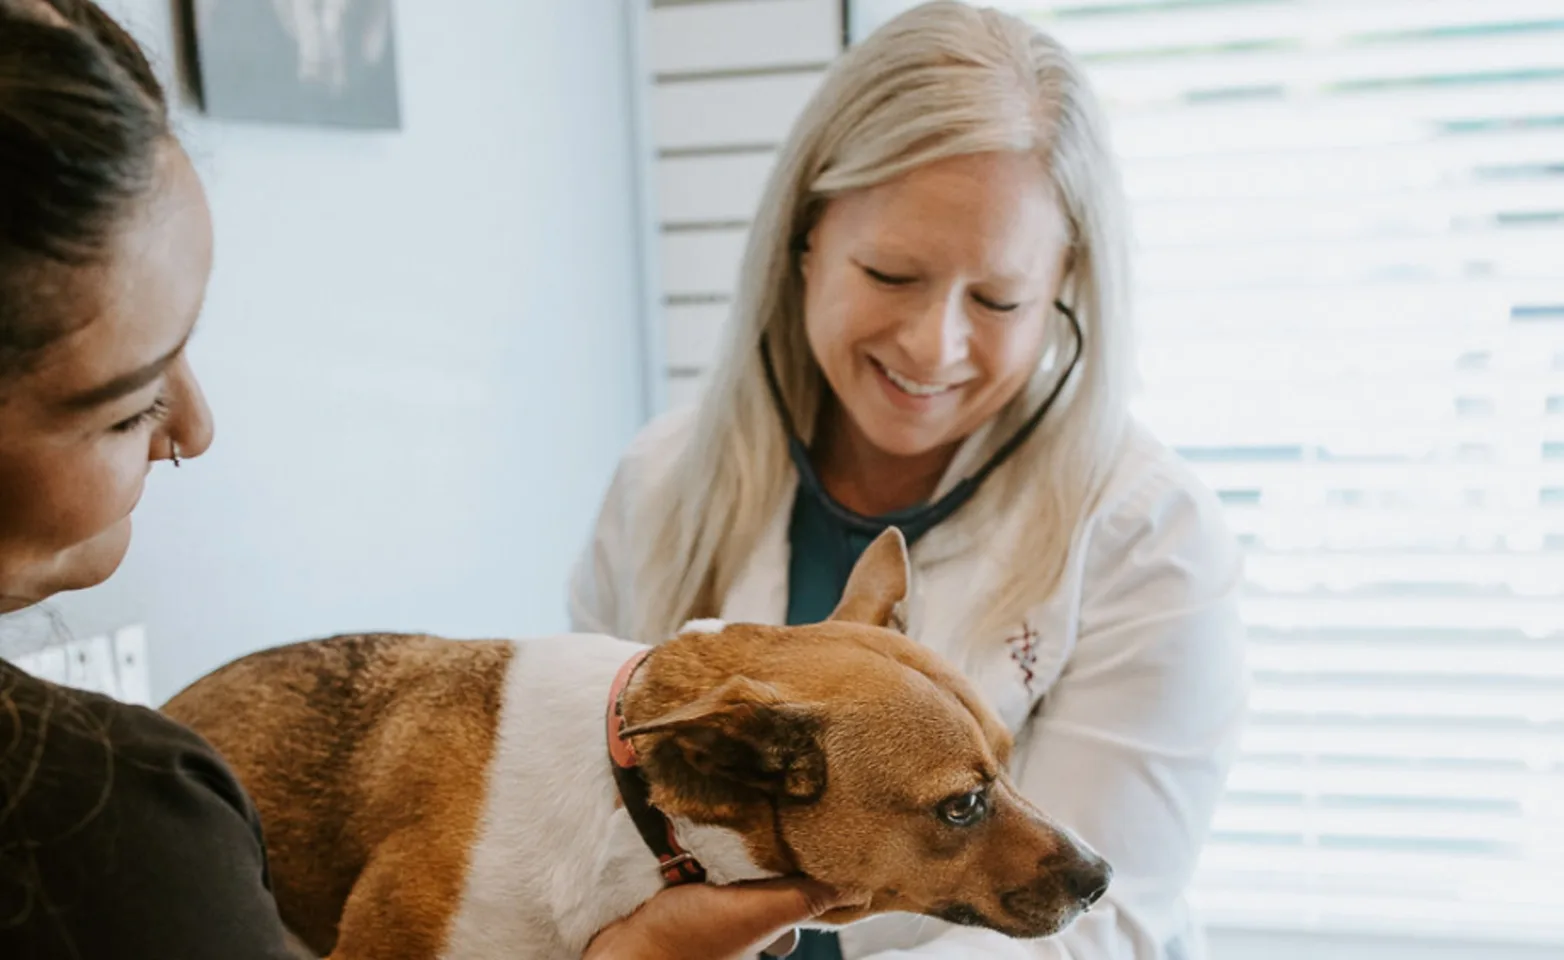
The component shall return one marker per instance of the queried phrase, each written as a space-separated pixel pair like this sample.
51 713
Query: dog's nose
1087 879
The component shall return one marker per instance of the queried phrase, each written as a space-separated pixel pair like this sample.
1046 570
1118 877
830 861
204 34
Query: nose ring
173 449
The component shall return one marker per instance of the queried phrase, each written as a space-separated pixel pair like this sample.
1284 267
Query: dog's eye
965 810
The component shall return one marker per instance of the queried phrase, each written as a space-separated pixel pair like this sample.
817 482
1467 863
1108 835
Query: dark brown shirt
123 835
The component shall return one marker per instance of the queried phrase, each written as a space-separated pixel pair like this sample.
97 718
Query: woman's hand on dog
702 922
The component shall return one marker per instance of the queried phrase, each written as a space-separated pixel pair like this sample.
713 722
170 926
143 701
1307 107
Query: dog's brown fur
351 749
828 748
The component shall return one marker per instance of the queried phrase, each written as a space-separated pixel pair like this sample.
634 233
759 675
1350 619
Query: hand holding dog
703 922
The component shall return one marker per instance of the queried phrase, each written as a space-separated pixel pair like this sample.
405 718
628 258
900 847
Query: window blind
1350 219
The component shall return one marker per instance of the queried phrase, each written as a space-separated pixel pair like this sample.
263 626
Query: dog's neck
563 841
623 867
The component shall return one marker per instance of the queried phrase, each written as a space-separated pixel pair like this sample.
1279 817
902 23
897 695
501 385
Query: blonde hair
942 80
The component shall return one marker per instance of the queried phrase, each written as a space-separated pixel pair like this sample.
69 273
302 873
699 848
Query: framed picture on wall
314 62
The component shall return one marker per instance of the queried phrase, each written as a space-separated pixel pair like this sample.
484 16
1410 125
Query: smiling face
927 297
81 426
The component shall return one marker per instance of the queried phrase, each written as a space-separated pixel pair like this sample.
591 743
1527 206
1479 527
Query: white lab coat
1126 690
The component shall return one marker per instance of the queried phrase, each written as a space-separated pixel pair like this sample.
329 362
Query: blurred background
427 346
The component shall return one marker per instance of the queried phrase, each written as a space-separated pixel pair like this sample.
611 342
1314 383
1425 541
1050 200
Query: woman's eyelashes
156 413
996 306
885 279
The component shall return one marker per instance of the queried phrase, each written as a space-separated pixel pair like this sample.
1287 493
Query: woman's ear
1068 261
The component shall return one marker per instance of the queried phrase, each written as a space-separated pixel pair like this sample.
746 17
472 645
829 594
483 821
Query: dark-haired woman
123 834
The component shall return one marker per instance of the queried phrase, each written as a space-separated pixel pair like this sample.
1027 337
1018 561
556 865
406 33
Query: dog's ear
878 584
744 732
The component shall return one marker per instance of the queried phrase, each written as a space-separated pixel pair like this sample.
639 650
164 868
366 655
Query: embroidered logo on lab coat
1023 652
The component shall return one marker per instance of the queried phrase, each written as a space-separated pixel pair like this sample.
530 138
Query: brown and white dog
434 798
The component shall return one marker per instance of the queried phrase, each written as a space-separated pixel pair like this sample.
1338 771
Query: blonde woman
932 330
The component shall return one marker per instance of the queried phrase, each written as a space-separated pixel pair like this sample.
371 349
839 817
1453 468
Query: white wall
422 348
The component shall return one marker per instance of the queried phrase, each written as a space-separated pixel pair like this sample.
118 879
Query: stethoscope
916 521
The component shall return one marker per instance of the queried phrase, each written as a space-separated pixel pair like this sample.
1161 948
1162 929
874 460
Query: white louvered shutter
1350 289
728 80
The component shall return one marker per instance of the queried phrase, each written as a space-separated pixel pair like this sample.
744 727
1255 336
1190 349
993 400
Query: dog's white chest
545 867
556 859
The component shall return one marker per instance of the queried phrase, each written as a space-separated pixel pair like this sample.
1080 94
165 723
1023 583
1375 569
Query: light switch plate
89 665
111 664
49 664
130 654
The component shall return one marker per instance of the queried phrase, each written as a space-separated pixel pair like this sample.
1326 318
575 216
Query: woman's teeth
912 386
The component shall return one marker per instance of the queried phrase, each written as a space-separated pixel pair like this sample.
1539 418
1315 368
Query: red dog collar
678 864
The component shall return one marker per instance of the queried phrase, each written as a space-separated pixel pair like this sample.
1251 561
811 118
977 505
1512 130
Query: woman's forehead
1001 202
141 303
